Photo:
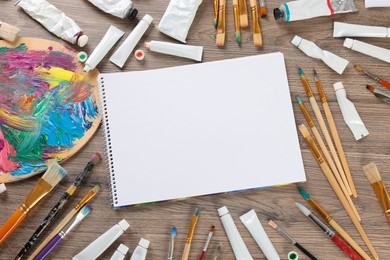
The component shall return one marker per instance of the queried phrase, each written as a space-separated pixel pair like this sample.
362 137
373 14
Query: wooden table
154 222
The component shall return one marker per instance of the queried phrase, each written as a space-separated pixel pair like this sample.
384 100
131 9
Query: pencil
190 234
67 218
324 150
54 174
328 174
60 204
321 121
347 177
333 223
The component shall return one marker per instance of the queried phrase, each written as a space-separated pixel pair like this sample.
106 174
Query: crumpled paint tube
118 8
335 62
54 20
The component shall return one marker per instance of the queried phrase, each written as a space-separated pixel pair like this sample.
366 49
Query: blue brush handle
49 247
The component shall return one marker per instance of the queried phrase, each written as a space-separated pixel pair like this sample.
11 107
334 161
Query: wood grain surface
154 222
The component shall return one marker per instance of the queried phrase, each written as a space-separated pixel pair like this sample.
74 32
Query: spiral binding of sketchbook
109 159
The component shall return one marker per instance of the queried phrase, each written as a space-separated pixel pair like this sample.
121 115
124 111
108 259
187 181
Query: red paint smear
7 151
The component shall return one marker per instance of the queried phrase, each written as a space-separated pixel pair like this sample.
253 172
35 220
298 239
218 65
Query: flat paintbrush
46 183
379 94
60 204
243 13
221 26
257 37
8 32
65 221
236 15
379 188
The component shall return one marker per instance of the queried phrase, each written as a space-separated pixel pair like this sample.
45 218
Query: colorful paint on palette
48 106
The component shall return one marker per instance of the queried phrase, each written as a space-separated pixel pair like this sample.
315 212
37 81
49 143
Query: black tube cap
132 14
278 14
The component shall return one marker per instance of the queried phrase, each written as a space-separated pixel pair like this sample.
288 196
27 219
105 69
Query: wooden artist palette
49 108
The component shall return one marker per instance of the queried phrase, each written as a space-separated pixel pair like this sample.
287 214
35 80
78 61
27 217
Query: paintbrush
67 218
60 204
190 234
379 94
211 232
347 177
328 174
333 223
221 27
321 121
263 9
217 251
324 150
289 238
379 188
171 243
46 183
236 15
243 13
8 32
61 235
374 77
216 4
257 38
332 235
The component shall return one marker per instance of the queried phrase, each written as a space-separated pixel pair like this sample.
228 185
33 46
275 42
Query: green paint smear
22 48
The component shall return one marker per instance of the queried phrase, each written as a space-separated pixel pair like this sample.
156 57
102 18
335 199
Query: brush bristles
272 224
96 158
8 32
212 229
54 174
86 210
244 21
220 39
372 173
257 40
358 68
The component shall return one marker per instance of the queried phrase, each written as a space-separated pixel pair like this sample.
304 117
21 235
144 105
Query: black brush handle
305 251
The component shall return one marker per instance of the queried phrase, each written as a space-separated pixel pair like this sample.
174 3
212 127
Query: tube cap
124 224
278 13
338 86
132 14
123 249
348 43
296 40
82 40
223 211
147 18
144 243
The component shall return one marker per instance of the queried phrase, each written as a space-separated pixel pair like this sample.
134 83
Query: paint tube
178 18
54 20
2 187
239 248
180 50
97 247
357 30
252 223
141 250
118 8
123 52
112 35
377 3
306 9
335 62
368 49
350 114
120 252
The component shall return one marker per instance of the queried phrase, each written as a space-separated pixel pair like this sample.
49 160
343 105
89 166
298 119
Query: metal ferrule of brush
255 19
321 92
375 77
320 210
314 149
286 235
307 87
306 114
236 18
321 225
221 19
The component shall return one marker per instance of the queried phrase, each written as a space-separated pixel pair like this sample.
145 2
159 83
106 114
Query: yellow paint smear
55 75
17 122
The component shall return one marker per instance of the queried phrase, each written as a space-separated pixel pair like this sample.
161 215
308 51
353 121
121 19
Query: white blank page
201 129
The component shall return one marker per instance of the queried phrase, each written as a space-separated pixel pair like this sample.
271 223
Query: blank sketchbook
199 129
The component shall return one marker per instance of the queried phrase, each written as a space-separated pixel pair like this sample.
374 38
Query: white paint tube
118 8
141 250
112 35
368 49
350 114
178 18
335 62
306 9
123 52
357 30
120 252
180 50
252 223
377 3
54 20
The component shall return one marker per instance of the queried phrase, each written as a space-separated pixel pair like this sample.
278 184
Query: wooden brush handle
383 197
12 223
186 251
